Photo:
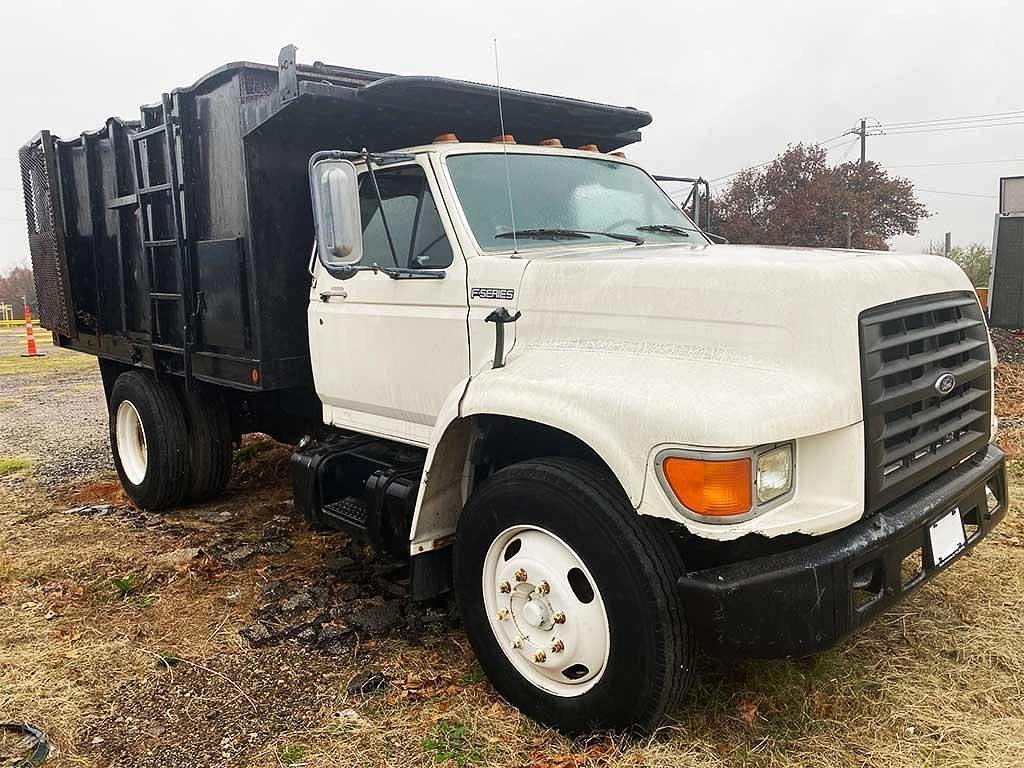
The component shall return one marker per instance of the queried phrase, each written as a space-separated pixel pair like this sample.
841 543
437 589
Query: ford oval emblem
945 384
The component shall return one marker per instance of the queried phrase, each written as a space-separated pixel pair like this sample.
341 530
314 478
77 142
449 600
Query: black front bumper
807 599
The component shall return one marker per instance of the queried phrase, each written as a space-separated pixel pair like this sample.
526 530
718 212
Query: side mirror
335 189
716 239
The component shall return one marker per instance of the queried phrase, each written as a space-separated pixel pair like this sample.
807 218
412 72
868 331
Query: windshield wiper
670 228
581 234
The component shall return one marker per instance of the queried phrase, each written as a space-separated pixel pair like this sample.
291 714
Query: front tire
149 440
568 598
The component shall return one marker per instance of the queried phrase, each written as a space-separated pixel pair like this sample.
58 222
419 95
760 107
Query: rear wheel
568 598
210 443
148 439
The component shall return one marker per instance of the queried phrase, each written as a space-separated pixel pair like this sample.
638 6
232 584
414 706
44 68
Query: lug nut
557 647
505 587
543 588
521 575
502 615
558 618
540 657
517 643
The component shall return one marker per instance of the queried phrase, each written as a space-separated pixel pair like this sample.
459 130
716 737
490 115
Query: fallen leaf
747 711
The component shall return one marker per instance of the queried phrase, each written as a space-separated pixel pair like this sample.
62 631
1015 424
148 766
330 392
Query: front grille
913 432
45 235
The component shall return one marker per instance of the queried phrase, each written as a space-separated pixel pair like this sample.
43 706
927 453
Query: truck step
349 513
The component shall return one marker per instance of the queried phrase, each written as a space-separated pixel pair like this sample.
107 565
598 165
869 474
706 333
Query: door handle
333 293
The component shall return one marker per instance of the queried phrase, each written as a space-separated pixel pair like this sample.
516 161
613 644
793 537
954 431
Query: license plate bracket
946 536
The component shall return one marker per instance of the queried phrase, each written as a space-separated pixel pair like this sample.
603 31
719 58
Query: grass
55 361
126 586
167 658
452 743
253 448
292 754
12 465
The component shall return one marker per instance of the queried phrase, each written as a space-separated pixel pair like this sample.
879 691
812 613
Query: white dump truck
503 353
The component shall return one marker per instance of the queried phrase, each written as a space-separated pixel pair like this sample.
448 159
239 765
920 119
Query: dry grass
1010 408
55 361
123 661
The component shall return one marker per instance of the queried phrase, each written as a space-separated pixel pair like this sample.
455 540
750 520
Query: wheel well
500 441
470 451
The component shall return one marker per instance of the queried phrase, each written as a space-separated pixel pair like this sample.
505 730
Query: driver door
387 352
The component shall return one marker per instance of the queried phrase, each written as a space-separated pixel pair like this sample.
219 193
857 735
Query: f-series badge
502 294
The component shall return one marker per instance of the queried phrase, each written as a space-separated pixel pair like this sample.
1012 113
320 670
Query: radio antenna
504 149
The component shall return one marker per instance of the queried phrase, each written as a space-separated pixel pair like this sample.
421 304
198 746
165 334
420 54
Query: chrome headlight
774 475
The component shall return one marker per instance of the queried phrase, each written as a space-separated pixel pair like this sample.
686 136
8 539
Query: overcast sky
729 84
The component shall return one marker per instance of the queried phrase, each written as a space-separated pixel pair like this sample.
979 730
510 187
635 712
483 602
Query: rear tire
149 440
599 582
210 443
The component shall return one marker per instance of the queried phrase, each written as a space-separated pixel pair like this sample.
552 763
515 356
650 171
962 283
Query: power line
963 162
988 116
769 162
957 194
899 132
847 152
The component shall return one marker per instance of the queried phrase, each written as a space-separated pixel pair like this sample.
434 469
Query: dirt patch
229 710
108 492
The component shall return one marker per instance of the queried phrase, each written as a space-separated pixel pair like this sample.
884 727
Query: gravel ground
1009 345
57 420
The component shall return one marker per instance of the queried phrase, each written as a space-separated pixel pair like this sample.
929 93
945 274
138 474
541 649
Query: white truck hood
721 346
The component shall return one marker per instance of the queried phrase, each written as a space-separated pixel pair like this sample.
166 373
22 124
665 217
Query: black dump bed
181 241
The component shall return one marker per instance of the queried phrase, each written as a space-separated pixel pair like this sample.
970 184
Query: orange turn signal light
713 488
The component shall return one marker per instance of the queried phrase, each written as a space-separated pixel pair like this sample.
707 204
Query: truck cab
787 416
515 363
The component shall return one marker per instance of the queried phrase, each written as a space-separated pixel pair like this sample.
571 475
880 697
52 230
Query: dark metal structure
180 242
1006 283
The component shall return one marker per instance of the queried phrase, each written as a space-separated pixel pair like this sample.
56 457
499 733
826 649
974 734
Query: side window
416 230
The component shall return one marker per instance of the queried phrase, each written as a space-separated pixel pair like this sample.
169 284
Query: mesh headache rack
180 241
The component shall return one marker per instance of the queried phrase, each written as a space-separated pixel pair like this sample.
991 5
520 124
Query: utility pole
949 242
849 228
861 131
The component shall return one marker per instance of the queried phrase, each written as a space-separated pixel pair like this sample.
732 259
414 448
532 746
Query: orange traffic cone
29 337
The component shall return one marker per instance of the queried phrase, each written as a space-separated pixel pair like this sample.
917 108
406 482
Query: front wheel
568 598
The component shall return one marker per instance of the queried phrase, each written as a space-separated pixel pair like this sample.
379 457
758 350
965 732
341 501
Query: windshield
564 199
